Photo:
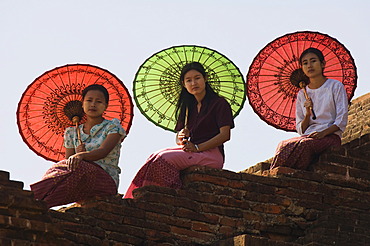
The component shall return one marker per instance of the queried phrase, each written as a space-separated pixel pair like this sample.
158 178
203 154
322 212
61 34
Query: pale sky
119 35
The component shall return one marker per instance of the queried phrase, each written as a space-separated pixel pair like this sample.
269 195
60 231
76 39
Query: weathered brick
101 215
362 164
119 238
267 198
226 230
225 211
194 235
169 200
169 220
215 172
260 188
331 168
153 189
303 185
119 209
17 185
253 216
109 227
227 221
156 207
299 194
189 214
4 176
358 173
228 201
267 208
195 177
248 179
82 239
132 221
83 229
155 235
316 205
203 227
209 193
75 215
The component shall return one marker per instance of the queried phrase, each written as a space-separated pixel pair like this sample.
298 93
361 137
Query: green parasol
157 87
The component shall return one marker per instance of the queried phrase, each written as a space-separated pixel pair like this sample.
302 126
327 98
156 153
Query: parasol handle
301 84
186 139
75 120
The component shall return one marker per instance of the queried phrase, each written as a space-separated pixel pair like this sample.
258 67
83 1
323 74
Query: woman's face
312 66
195 83
94 103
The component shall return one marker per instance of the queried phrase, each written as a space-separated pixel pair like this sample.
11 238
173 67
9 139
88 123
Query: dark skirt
60 186
299 152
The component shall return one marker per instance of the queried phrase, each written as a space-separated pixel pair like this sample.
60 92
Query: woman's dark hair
96 87
186 99
192 66
314 51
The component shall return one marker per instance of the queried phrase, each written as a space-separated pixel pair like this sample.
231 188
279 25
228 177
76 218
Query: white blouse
330 104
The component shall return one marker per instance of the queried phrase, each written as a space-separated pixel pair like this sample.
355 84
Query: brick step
4 176
252 240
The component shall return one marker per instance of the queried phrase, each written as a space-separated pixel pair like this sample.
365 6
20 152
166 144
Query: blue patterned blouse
92 141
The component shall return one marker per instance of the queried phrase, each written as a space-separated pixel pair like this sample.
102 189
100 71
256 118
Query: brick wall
358 119
329 205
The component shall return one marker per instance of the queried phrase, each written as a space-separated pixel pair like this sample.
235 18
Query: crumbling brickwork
358 119
328 205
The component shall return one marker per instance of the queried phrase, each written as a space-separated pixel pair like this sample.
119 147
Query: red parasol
269 89
49 103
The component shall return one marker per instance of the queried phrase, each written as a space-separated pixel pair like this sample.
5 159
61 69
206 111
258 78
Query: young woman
328 99
204 123
90 168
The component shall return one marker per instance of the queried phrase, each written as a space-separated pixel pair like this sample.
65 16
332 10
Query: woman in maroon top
200 137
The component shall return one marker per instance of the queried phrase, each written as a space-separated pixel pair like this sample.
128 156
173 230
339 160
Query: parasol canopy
270 81
44 110
157 82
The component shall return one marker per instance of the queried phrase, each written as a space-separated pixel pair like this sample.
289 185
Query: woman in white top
328 99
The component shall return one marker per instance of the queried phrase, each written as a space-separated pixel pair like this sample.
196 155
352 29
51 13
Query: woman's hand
190 147
80 148
183 136
324 133
317 135
308 105
73 161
